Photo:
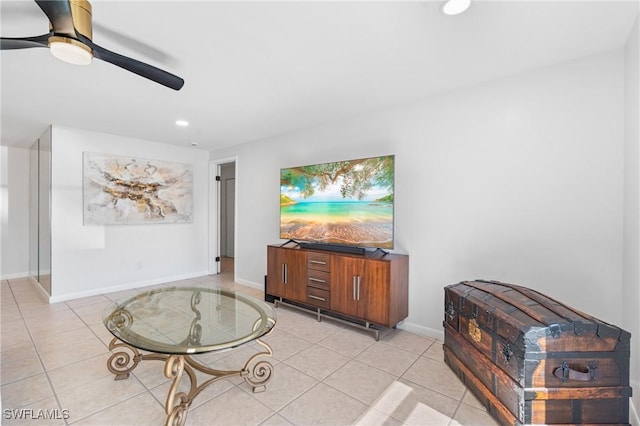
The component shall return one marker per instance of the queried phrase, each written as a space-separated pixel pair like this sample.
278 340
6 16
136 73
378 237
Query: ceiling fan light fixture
69 50
455 7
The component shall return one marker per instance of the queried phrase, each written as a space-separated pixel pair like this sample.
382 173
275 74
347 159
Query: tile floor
325 373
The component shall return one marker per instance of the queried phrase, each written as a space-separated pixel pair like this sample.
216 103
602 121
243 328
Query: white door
230 199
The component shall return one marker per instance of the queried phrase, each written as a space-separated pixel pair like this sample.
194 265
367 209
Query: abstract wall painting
122 190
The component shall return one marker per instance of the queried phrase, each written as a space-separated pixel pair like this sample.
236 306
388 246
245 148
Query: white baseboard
41 291
431 333
122 287
250 283
14 276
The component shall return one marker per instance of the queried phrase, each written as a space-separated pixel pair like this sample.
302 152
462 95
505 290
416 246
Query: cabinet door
360 288
373 292
286 273
344 280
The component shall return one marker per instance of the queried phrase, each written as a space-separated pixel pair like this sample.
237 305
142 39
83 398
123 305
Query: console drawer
318 279
318 297
319 261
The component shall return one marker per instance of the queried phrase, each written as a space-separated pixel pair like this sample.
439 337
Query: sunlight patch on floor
391 399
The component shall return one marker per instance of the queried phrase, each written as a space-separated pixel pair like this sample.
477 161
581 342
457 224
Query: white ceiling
258 69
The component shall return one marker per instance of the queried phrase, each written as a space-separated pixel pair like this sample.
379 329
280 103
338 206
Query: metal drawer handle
317 280
322 299
318 262
353 282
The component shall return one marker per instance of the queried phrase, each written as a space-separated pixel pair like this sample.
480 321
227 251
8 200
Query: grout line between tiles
401 344
44 369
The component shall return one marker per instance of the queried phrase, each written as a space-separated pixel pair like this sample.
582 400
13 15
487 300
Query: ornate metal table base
126 358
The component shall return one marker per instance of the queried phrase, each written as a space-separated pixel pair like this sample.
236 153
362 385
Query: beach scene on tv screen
345 202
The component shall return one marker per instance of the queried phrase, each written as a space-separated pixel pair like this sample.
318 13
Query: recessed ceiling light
182 123
455 7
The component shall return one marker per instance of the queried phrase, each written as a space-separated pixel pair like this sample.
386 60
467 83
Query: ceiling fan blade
59 14
145 70
134 45
9 43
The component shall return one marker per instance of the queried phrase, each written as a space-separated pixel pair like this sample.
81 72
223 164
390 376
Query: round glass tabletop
188 320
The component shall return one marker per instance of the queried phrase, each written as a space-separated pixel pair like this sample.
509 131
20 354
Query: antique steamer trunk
533 360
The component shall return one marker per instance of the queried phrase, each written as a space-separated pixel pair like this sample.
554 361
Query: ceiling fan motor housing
82 22
81 14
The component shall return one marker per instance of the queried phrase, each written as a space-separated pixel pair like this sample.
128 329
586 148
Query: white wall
14 212
96 259
631 266
519 180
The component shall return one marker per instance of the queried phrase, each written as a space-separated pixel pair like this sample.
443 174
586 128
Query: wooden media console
361 290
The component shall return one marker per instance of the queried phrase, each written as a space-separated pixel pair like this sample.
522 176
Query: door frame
214 213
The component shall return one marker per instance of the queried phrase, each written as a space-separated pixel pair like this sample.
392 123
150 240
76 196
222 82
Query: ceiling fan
69 39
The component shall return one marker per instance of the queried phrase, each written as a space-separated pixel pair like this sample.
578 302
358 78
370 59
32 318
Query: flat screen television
343 203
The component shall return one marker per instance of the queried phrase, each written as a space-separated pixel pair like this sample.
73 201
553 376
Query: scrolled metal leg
176 411
258 376
121 363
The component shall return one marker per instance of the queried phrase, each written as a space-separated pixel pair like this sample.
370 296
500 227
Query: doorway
226 217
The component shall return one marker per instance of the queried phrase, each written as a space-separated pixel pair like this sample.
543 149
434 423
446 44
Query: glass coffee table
174 323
